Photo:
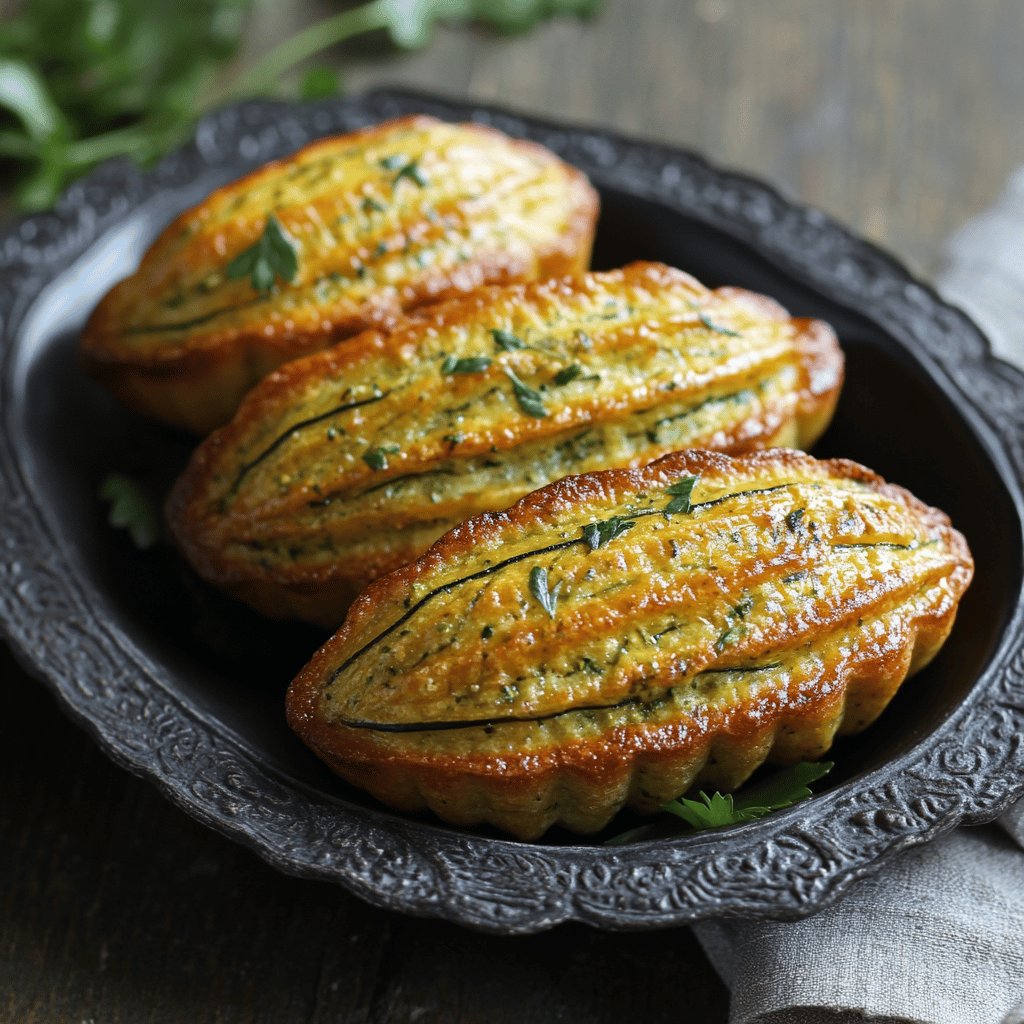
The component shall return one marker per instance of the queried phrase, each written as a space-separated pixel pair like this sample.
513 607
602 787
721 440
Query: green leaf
546 597
318 83
506 340
793 520
377 458
130 509
598 534
705 812
24 93
530 401
270 257
712 326
681 492
468 364
568 374
413 172
785 788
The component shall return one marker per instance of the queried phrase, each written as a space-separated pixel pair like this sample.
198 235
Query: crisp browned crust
194 376
813 601
302 532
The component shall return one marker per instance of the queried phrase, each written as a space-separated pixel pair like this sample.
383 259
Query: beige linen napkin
937 937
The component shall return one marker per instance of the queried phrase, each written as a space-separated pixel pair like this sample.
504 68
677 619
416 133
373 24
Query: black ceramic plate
181 687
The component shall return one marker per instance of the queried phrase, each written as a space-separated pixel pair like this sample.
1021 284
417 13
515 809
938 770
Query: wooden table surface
901 117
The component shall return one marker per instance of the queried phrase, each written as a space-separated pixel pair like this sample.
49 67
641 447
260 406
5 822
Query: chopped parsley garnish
546 597
272 256
741 609
486 633
712 326
468 364
377 458
506 340
793 519
567 374
373 205
394 162
130 509
599 534
681 492
529 400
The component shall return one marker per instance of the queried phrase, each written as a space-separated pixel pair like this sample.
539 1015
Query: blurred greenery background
87 80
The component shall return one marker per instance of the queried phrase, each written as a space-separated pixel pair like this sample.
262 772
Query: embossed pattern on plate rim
788 865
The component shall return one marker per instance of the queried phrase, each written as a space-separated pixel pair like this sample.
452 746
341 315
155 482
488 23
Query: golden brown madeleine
345 234
615 638
350 463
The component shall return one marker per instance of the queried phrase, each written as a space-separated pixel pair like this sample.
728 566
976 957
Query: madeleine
345 234
614 639
345 465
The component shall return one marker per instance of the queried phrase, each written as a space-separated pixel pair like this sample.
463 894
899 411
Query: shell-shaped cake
614 639
345 465
345 234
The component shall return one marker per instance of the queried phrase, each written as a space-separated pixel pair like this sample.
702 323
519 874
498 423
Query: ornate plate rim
788 865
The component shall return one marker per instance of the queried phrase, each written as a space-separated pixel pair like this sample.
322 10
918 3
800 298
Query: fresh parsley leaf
599 534
270 257
743 606
783 789
377 458
706 811
467 364
681 492
568 374
712 326
547 598
530 401
130 509
373 205
506 340
776 792
793 519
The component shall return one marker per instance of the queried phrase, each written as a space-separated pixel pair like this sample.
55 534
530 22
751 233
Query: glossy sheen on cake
344 466
379 222
616 638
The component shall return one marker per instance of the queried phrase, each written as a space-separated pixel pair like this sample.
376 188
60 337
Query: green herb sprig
506 340
377 458
530 401
467 364
131 509
86 81
681 492
546 597
273 255
598 534
778 791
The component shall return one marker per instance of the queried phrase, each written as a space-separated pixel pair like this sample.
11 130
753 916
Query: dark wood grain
902 117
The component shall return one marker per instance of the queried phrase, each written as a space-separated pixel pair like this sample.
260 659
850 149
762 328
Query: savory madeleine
345 234
614 639
345 465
